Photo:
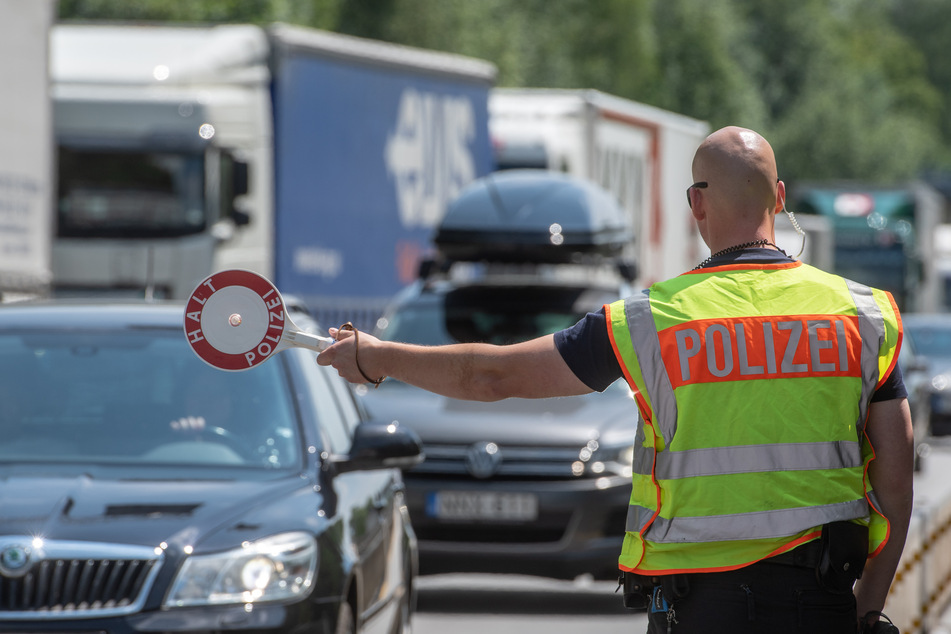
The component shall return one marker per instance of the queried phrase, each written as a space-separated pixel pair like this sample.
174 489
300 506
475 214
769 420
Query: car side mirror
381 446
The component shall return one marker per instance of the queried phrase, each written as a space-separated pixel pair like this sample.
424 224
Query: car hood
139 510
567 421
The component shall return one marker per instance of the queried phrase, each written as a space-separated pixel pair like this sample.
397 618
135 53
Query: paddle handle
302 339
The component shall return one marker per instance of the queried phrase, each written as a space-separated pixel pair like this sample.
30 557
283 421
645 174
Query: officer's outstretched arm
891 474
476 372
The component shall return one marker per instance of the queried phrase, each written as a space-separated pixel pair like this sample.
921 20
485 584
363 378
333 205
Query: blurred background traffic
450 170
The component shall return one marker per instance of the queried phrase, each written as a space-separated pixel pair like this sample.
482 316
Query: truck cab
153 145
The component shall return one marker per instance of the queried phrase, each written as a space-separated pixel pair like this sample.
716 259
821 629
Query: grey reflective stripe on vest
672 465
643 331
872 331
757 525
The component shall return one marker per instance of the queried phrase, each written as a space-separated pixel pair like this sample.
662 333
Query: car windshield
499 315
142 397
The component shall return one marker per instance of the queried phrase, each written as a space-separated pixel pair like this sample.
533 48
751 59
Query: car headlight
269 569
604 461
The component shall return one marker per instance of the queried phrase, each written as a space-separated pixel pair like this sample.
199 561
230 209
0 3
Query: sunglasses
702 185
698 185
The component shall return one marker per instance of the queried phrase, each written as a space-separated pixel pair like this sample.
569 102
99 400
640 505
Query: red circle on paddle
234 319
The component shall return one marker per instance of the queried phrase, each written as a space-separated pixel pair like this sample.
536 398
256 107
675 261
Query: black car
144 491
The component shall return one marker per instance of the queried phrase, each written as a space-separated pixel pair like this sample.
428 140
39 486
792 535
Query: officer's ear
780 197
697 207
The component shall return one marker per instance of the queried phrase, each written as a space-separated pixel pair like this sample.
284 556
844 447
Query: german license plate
482 505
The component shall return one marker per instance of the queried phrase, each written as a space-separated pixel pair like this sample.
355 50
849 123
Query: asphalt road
510 604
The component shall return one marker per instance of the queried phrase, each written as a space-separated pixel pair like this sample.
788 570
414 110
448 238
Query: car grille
516 463
448 462
75 579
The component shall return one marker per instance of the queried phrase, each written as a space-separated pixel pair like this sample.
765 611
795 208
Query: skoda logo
14 560
483 459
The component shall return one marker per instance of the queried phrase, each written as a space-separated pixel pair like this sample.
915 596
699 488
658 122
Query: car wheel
407 607
403 624
345 622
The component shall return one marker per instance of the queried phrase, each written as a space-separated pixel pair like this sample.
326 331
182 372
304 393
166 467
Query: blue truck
319 160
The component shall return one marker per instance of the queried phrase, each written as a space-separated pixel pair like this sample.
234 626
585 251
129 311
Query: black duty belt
804 556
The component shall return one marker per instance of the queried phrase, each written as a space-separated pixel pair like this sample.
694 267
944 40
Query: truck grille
74 579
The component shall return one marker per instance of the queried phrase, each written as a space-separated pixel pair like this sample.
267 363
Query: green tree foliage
704 59
927 23
846 93
843 88
323 14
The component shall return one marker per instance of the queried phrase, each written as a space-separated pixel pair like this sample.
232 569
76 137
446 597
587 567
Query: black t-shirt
587 350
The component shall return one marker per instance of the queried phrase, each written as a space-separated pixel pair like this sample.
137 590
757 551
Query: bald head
741 198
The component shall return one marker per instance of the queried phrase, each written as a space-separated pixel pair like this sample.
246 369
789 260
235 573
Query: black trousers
765 597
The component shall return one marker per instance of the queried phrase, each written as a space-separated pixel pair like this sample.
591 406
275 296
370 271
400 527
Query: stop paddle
235 320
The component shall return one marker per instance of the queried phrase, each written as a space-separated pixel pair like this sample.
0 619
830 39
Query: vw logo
14 560
483 459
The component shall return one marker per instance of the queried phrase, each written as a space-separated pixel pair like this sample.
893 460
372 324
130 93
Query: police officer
774 460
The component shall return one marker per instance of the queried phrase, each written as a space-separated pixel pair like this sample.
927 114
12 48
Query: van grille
77 579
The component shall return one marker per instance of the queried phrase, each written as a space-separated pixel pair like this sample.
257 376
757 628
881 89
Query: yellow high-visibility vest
754 383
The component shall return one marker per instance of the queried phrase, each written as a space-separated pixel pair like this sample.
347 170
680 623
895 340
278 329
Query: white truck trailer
639 153
26 149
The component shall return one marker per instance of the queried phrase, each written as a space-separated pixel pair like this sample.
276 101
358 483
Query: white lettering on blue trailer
428 154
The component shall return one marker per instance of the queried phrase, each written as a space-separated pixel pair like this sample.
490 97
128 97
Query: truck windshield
130 194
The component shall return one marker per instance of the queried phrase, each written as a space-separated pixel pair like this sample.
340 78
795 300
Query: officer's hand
872 623
351 355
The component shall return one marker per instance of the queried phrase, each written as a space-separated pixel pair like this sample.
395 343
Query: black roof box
532 215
